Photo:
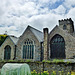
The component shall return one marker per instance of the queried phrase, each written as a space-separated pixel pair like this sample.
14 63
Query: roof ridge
34 28
12 36
13 39
53 28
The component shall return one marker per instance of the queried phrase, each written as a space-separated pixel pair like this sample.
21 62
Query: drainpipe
15 52
41 44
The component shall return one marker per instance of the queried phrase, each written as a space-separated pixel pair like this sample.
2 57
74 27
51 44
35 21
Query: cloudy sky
16 15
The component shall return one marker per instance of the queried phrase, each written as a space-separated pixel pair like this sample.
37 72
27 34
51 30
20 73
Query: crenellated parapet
67 24
65 21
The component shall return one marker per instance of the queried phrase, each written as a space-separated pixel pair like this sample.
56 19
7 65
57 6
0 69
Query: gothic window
28 49
64 27
7 52
57 46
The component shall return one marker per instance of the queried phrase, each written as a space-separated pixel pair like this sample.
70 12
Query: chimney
45 31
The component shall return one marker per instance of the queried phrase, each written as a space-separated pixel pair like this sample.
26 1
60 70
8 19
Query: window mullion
26 51
29 51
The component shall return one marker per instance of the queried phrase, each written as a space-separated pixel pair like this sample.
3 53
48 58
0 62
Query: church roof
37 33
14 39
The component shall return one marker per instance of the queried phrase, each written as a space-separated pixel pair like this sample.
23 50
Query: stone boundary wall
50 67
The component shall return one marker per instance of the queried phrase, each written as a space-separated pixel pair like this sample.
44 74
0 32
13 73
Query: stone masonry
45 30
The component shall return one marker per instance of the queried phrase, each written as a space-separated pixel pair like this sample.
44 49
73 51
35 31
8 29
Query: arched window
7 52
28 49
57 46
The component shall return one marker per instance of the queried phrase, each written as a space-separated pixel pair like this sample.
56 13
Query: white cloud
71 14
46 20
49 1
43 1
69 3
15 15
60 10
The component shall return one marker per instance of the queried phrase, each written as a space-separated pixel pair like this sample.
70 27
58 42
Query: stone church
36 45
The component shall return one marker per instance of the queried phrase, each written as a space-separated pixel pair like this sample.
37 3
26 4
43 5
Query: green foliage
45 73
68 62
19 61
3 61
28 60
54 61
69 73
42 73
48 61
57 60
11 61
34 72
72 73
61 73
2 38
52 73
43 60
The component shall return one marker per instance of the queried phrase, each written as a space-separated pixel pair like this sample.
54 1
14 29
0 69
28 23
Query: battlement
65 21
67 24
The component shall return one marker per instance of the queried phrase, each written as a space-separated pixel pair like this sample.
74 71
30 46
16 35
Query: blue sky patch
56 4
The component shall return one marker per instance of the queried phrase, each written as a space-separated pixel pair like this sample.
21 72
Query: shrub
57 60
34 72
53 73
2 38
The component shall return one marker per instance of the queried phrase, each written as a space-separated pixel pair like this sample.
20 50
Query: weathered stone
43 44
9 42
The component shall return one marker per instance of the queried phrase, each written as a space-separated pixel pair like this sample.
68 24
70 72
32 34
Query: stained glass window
28 49
57 46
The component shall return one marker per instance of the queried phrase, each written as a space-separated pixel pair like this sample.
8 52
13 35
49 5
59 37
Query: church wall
28 34
69 42
70 53
11 44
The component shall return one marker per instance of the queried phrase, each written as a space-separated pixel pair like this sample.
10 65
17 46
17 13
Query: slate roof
37 33
14 39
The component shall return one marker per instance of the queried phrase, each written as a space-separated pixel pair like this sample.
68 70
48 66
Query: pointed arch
57 46
7 52
28 49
